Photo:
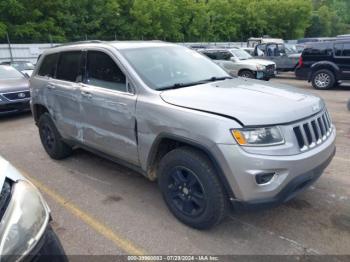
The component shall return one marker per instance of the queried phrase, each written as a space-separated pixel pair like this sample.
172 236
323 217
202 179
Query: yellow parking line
108 233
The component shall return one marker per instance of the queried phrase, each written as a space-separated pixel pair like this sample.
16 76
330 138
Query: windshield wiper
181 85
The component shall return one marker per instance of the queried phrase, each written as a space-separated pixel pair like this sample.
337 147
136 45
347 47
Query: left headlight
262 136
24 221
260 67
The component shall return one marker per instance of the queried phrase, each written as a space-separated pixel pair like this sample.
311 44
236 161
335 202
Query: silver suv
173 115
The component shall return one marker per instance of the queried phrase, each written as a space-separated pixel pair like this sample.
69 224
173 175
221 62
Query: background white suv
238 62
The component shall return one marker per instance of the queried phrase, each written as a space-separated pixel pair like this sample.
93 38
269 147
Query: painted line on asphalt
121 242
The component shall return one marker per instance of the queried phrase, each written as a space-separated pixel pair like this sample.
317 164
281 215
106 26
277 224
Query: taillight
300 63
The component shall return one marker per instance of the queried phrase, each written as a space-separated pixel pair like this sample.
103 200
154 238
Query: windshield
241 54
20 66
7 72
291 49
161 67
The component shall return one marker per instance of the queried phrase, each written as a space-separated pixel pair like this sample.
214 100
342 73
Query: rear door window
69 66
338 49
103 72
48 66
223 55
211 55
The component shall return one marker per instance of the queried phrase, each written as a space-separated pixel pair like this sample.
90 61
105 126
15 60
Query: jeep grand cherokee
175 116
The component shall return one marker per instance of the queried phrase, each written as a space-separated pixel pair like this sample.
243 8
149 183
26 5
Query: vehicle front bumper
8 107
265 74
293 173
49 248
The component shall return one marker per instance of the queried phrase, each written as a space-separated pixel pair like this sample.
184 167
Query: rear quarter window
342 50
48 66
318 50
346 49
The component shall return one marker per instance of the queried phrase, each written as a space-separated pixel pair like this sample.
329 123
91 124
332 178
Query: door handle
86 94
51 86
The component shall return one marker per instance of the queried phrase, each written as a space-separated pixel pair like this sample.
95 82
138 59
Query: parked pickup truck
285 58
173 115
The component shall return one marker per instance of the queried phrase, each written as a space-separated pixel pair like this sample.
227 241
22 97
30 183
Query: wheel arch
164 143
38 110
246 69
325 65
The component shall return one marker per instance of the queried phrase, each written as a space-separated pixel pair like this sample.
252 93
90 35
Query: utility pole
50 38
9 44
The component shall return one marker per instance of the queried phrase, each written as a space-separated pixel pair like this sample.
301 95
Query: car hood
13 85
257 62
8 171
252 102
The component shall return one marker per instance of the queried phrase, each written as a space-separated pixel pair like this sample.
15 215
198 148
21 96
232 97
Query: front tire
191 188
323 79
51 139
246 74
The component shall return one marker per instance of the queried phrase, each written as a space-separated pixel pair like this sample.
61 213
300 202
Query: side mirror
233 59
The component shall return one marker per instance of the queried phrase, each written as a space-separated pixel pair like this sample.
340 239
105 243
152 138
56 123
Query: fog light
264 178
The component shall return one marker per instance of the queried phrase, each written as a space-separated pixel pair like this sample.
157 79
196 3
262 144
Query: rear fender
324 65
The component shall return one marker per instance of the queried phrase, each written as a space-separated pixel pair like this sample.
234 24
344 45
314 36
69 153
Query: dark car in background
325 64
14 91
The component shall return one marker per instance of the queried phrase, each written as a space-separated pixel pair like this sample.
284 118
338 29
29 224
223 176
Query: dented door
64 94
108 109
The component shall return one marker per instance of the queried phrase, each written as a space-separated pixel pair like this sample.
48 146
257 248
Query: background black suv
325 64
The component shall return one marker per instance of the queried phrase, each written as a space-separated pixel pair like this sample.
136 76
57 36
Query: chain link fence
22 49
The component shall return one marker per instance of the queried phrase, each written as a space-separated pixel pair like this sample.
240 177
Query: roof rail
82 42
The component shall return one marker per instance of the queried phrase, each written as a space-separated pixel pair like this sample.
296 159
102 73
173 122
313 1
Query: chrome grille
313 131
17 95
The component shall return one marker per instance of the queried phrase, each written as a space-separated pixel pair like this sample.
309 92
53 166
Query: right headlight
261 136
24 221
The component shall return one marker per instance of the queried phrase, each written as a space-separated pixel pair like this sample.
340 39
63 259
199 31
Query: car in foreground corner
14 91
210 140
25 231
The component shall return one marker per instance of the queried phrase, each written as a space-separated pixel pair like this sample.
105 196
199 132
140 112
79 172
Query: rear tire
191 188
51 139
323 79
246 74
